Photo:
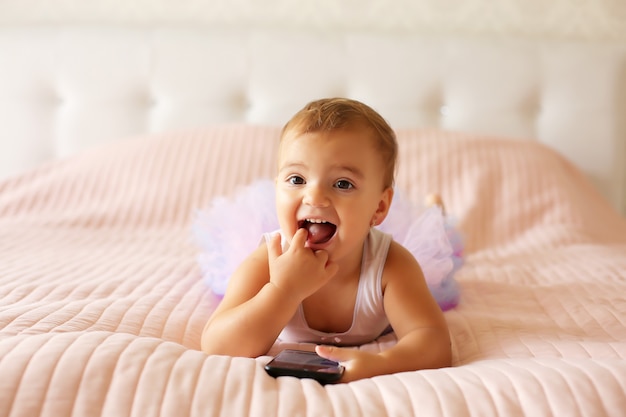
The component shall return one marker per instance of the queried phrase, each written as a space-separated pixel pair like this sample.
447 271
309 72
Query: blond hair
331 114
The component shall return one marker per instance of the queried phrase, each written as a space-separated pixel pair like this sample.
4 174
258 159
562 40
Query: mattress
102 302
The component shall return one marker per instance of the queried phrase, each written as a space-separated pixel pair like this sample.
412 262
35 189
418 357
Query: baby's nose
316 196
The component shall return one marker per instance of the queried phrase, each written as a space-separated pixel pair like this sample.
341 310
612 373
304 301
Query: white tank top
369 319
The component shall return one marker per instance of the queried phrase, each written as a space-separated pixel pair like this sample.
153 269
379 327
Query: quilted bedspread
102 302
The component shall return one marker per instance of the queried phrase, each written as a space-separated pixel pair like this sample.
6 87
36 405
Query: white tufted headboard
64 88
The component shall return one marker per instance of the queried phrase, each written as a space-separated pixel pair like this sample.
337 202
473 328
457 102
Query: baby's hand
359 364
299 271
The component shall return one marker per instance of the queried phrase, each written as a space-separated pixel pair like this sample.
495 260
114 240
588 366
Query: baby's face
331 183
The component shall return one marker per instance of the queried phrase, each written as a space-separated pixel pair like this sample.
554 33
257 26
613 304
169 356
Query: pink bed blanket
102 302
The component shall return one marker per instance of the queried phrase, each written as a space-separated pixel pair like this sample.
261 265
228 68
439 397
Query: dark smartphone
304 364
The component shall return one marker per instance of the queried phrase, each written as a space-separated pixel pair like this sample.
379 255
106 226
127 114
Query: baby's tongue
320 232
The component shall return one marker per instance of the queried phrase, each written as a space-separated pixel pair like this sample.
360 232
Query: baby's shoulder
399 255
400 263
258 258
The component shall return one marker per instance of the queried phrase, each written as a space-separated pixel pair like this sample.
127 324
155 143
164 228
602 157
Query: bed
113 137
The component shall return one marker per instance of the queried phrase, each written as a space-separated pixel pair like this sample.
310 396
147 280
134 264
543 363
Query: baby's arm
262 296
421 329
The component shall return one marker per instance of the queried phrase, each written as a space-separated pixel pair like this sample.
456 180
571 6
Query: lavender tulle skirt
230 228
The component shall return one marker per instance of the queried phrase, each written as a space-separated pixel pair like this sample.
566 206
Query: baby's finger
331 267
299 238
336 354
274 247
322 255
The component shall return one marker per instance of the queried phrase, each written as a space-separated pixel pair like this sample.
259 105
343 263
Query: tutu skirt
231 228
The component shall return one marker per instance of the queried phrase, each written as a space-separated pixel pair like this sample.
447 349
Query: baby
328 276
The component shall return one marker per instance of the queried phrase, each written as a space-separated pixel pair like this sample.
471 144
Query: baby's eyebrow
292 165
351 169
339 168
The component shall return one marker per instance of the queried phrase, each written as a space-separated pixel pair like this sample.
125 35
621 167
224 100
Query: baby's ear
383 206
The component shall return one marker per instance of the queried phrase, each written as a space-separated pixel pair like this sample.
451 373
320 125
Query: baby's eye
295 180
344 184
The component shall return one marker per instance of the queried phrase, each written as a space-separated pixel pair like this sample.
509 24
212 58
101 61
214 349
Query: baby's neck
349 268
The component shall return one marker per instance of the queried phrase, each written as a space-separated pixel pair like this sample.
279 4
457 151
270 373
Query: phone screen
304 364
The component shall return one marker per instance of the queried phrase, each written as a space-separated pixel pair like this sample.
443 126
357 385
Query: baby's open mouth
320 231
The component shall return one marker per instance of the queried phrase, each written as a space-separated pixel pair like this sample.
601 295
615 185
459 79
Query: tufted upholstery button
151 99
56 98
240 103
